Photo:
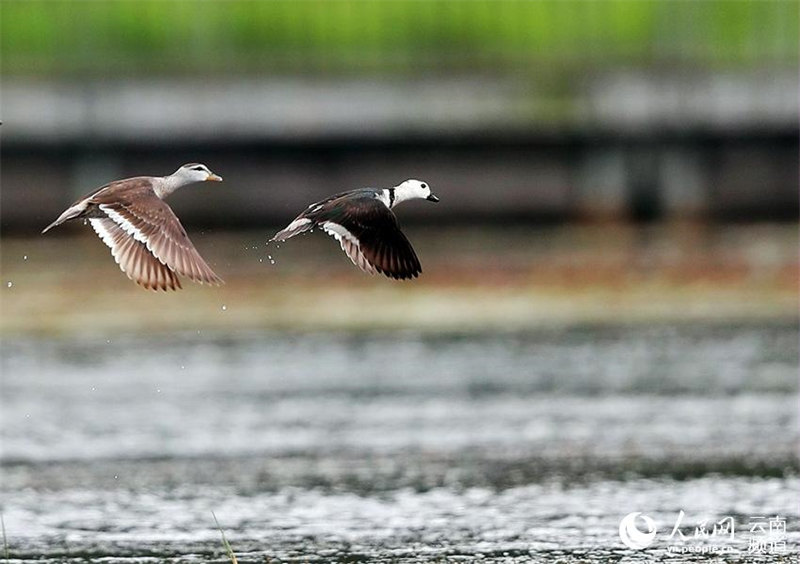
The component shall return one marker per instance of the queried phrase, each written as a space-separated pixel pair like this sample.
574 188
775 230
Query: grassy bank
509 279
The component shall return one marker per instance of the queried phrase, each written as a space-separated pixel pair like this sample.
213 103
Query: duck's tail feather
299 225
70 213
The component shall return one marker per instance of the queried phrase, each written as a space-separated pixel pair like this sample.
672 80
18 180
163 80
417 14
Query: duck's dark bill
432 198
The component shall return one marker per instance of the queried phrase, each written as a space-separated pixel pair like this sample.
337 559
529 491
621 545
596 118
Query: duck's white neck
393 196
166 185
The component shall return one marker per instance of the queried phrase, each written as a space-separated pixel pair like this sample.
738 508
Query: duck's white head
412 190
195 172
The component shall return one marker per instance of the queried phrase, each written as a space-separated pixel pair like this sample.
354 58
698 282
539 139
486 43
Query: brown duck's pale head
195 172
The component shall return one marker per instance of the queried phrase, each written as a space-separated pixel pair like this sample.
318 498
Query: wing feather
153 223
373 231
133 257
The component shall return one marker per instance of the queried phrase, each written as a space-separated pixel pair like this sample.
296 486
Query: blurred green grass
46 37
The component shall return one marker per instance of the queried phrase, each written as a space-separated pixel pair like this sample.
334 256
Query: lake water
401 447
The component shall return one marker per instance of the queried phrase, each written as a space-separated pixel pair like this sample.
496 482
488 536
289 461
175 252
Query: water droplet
24 257
224 308
93 388
158 390
261 260
9 284
116 476
182 367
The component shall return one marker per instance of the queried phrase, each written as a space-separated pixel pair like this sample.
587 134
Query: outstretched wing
133 257
369 234
150 221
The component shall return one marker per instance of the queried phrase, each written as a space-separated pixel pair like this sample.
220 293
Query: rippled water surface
387 447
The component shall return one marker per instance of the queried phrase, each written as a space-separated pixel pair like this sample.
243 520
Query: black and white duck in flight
366 228
146 238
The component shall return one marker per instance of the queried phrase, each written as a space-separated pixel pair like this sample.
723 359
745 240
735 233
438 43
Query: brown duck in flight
146 238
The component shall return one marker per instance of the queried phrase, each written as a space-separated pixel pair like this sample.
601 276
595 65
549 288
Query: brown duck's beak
432 198
214 178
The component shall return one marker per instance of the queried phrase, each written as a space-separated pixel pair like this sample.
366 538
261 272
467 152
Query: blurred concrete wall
631 147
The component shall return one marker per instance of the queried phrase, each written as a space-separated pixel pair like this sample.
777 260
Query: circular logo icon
633 537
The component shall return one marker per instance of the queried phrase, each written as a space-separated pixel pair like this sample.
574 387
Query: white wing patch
129 228
105 236
338 232
350 245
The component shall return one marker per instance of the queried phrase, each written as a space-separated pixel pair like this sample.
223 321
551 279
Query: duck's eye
424 185
198 168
